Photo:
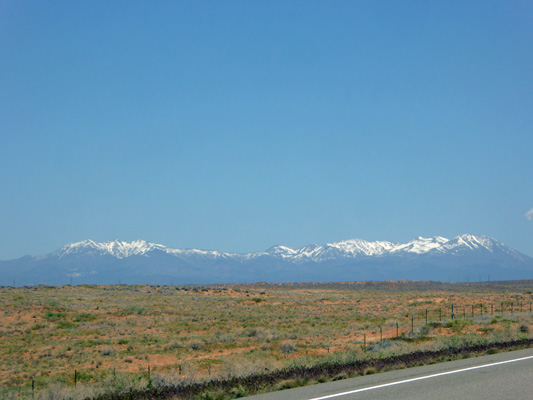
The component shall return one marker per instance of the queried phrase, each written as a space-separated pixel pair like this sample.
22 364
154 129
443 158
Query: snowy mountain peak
421 245
473 240
115 248
363 247
469 242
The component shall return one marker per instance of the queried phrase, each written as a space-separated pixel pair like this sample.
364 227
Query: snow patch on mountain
356 247
420 245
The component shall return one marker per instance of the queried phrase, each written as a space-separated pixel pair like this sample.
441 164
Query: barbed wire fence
424 319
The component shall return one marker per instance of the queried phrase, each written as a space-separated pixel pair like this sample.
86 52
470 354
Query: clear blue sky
238 125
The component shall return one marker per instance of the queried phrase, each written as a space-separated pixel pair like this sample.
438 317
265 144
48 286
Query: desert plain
88 339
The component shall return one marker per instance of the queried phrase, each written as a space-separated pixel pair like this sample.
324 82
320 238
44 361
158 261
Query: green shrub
287 348
84 317
196 344
51 316
457 325
65 325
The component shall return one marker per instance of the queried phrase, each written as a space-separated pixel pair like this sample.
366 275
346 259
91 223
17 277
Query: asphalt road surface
501 376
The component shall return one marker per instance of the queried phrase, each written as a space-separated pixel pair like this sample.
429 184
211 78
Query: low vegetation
87 341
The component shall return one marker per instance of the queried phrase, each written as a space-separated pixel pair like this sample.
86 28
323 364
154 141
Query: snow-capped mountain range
462 258
347 248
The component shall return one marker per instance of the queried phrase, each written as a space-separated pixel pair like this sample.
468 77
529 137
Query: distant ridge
465 257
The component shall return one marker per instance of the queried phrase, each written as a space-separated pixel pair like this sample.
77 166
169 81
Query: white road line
419 378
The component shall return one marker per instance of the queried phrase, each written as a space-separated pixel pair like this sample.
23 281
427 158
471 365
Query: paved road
500 376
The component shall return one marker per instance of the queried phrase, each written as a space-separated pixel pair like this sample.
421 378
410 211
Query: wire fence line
425 318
